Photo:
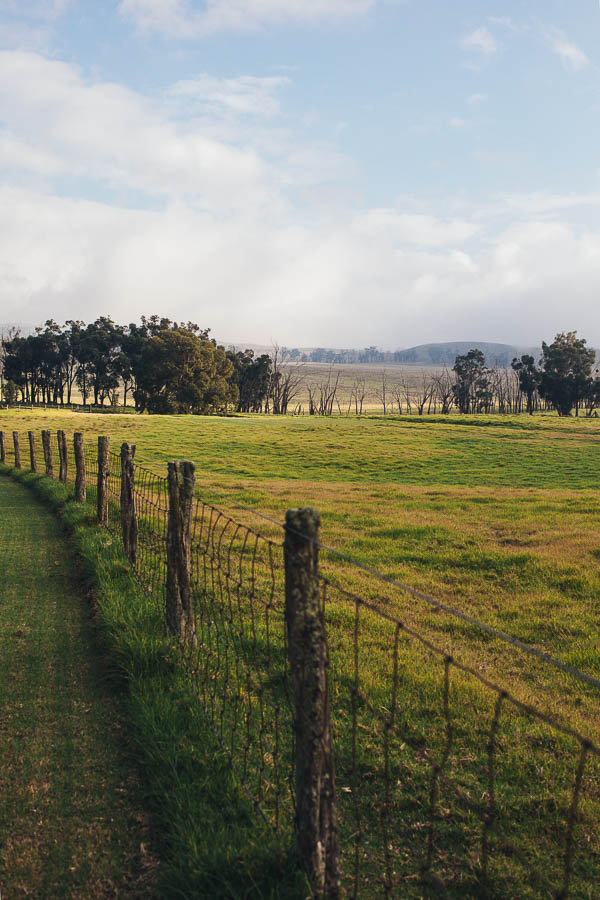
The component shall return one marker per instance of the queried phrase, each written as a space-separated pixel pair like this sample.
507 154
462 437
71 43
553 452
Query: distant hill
444 354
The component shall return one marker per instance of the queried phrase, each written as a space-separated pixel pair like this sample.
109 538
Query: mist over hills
444 354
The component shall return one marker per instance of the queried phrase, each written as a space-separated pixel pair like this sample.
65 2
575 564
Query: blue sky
310 172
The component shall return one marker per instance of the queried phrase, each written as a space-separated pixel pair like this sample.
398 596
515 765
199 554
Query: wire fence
447 783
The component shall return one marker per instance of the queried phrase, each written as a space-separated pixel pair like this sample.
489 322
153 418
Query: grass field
70 820
496 516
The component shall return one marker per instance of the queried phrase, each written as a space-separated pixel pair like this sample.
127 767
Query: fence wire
238 658
447 783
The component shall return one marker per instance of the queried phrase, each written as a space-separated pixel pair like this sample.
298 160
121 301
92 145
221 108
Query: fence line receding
396 768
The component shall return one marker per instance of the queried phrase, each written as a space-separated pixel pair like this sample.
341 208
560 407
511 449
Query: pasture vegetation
495 515
70 820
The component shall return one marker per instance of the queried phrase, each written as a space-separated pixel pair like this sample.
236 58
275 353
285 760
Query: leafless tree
322 395
383 392
286 381
358 393
444 390
425 393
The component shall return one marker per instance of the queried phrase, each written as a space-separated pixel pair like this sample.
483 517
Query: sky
338 173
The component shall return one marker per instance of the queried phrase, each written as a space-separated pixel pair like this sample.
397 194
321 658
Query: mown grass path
70 823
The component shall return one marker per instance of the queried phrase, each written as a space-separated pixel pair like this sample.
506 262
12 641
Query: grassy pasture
496 516
70 820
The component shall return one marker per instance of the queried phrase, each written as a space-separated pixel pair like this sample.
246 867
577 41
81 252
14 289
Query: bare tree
322 395
286 381
444 390
425 393
382 392
357 395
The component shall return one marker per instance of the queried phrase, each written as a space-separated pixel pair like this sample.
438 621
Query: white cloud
476 99
540 202
183 19
571 56
383 277
35 9
422 230
481 40
457 122
109 133
246 94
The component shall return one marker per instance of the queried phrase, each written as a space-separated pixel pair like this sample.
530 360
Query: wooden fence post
32 459
2 449
80 486
103 464
47 453
317 837
181 480
129 524
17 446
62 456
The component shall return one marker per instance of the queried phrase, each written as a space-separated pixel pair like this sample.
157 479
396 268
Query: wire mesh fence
447 783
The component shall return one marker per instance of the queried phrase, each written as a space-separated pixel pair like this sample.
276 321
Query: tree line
163 366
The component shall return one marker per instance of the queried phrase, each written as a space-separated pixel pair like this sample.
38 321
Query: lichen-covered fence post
2 449
181 480
32 457
129 523
62 456
103 464
47 453
317 837
17 446
80 486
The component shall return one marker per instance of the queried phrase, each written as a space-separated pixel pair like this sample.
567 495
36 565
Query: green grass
496 516
70 820
207 834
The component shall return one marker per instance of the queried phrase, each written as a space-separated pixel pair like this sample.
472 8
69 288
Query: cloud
186 20
457 122
106 132
571 56
540 202
383 276
423 230
35 9
481 41
246 94
476 99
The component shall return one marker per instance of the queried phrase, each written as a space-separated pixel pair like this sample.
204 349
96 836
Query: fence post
62 456
103 463
2 449
317 838
17 446
181 480
80 487
47 453
129 524
32 459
